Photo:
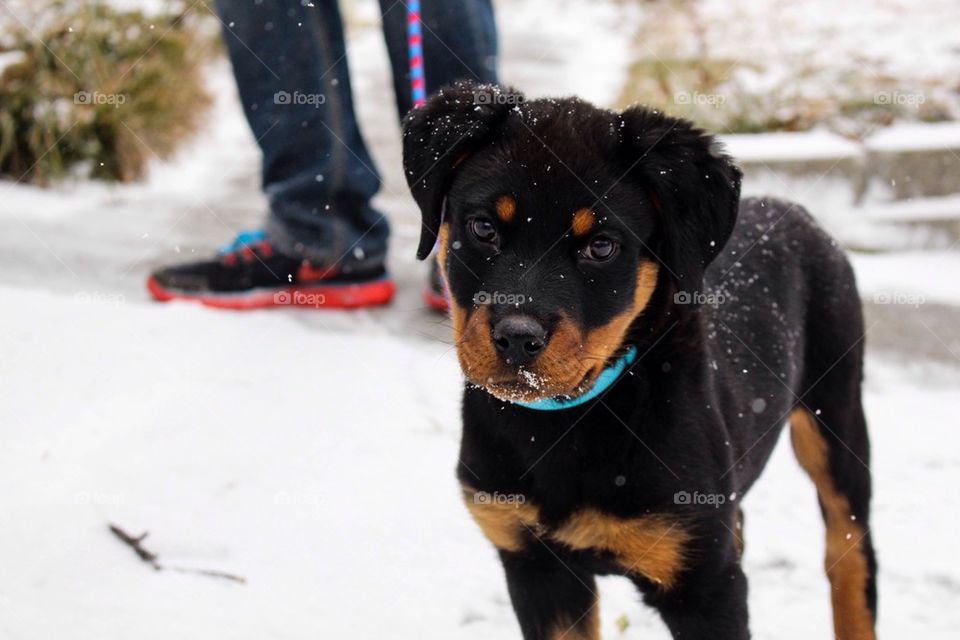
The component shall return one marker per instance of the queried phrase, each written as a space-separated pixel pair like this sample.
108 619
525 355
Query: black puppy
634 336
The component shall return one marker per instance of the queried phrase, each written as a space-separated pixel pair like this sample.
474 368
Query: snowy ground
276 445
325 479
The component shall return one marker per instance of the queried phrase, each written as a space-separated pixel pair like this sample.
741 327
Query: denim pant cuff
329 239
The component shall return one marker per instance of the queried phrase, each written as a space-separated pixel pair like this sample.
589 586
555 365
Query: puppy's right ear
439 136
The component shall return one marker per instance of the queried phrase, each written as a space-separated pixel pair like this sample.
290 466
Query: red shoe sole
436 301
331 296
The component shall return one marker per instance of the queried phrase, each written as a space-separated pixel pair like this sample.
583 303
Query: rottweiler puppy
633 337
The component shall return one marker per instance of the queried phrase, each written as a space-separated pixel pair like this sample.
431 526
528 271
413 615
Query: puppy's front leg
553 600
708 606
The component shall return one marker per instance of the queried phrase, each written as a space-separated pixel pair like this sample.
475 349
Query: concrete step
934 209
937 219
914 160
912 304
798 154
900 162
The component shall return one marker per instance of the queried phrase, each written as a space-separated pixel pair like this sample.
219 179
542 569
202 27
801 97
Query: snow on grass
895 37
319 466
752 66
208 166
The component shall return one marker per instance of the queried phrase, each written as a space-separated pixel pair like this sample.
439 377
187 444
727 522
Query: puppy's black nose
519 339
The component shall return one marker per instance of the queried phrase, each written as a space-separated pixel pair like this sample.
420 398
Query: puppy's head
555 222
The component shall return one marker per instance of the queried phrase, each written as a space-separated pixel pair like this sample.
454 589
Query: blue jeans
290 64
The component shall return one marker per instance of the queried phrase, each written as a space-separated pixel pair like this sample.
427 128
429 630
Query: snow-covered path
313 453
319 464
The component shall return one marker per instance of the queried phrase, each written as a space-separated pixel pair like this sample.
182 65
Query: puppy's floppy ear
695 186
438 136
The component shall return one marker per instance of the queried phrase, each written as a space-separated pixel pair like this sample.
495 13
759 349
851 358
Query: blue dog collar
606 378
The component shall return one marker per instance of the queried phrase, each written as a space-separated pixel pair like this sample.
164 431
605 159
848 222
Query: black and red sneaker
249 274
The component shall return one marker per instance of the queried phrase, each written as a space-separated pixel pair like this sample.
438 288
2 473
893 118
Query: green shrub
675 70
93 91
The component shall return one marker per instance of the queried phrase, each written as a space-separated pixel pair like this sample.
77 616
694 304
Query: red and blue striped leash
418 86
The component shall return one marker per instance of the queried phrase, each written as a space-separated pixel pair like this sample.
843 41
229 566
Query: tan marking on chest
651 546
504 520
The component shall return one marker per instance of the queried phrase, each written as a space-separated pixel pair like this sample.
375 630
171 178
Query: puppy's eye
483 229
600 249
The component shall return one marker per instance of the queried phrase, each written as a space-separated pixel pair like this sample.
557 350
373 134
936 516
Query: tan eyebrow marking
506 206
583 221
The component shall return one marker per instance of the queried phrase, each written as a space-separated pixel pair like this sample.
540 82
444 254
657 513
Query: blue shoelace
243 238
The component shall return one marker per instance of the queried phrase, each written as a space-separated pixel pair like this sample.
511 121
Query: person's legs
291 69
322 237
459 42
323 244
